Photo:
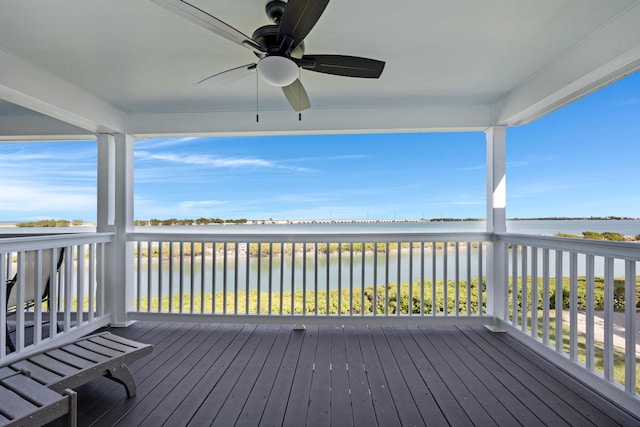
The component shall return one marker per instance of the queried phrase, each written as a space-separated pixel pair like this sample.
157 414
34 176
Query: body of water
539 227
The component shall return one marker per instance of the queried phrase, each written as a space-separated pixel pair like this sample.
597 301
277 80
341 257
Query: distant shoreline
270 221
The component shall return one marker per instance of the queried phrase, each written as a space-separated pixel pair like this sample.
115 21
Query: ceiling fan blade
342 65
209 22
298 19
229 76
297 96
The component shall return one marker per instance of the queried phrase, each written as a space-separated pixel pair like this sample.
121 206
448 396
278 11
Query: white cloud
22 199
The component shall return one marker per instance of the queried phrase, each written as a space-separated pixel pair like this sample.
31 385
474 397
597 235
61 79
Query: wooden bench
81 361
26 402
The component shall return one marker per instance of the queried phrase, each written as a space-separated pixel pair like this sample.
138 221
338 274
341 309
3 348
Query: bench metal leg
71 419
122 374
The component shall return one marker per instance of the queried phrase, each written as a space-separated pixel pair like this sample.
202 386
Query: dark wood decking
202 374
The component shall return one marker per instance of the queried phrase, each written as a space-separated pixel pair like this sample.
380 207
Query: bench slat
31 390
13 405
99 349
69 359
85 354
53 365
38 373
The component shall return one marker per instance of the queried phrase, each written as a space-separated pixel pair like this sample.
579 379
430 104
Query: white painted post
496 221
115 214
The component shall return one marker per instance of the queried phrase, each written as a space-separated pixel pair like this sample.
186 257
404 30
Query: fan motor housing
267 37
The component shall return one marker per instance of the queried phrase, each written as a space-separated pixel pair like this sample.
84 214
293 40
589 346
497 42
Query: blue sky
581 160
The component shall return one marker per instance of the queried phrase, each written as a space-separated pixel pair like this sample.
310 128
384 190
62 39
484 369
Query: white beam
38 127
608 54
29 86
410 119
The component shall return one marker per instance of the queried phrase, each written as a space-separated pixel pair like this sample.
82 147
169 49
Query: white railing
307 276
52 287
575 300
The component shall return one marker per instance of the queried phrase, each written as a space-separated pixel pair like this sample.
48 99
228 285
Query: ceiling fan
280 47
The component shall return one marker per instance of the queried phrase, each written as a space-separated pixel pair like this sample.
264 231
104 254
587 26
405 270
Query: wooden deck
248 375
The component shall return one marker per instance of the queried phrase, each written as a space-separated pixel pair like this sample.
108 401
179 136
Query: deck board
271 375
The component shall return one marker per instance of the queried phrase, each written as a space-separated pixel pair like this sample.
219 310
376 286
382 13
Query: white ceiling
131 66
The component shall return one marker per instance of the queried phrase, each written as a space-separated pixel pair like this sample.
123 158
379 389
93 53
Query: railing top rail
332 237
12 244
624 250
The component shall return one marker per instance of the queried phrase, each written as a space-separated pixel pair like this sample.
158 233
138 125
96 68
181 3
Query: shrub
609 235
592 235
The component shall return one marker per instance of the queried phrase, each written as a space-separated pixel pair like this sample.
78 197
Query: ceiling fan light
278 70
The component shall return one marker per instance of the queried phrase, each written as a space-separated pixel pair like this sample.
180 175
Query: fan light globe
278 70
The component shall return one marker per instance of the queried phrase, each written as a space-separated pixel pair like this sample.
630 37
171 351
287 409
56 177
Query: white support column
496 179
106 182
115 214
496 221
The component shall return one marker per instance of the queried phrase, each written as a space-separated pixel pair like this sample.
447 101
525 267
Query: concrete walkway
618 328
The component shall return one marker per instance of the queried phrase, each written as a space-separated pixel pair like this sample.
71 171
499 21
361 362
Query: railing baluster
80 288
457 279
171 294
422 278
259 283
630 327
67 287
160 278
608 318
362 253
434 302
149 275
225 277
545 297
351 280
590 330
398 279
445 279
534 292
19 342
247 284
203 263
514 285
386 278
375 279
139 276
469 279
192 290
410 296
315 278
269 311
282 250
525 289
236 285
559 302
304 278
573 306
327 280
480 279
293 278
37 337
339 313
92 281
181 261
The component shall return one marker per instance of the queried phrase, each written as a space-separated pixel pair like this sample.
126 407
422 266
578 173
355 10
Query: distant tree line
198 221
51 223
